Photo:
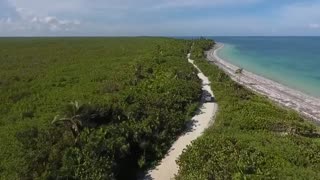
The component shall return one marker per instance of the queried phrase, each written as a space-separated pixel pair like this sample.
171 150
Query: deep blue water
292 61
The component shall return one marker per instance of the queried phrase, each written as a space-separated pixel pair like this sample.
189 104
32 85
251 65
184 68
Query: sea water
292 61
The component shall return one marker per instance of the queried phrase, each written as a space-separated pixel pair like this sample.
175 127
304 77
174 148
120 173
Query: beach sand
306 105
168 167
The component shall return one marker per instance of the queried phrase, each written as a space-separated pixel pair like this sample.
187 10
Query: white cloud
28 23
152 17
202 3
301 13
314 26
39 16
46 7
86 6
298 18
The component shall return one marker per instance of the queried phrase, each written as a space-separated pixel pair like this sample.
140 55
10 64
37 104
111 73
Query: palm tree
143 145
239 73
73 118
138 74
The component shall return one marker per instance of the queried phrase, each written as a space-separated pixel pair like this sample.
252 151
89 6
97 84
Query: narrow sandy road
167 168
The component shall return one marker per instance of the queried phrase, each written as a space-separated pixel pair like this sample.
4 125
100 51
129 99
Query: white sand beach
305 104
168 167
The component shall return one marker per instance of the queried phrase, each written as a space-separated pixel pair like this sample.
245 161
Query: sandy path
306 105
168 167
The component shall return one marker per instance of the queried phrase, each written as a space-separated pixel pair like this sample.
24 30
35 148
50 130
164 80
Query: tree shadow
148 177
190 126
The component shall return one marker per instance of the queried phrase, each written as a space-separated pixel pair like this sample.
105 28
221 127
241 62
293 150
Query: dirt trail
167 168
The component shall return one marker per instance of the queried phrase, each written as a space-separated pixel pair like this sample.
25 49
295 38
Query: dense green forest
252 138
107 108
91 108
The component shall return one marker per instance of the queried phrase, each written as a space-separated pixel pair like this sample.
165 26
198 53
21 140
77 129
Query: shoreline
308 106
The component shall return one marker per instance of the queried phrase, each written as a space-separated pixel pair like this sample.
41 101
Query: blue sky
159 17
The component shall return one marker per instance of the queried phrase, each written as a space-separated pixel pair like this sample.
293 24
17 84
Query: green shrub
131 98
252 138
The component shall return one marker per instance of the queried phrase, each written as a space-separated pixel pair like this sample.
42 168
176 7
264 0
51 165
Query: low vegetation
106 108
252 138
91 108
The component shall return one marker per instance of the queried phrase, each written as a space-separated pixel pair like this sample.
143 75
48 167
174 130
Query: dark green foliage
200 46
44 150
252 138
131 97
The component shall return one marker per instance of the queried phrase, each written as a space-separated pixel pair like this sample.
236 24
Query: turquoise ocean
292 61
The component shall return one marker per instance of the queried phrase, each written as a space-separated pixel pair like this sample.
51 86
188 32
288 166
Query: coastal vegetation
91 108
108 108
251 138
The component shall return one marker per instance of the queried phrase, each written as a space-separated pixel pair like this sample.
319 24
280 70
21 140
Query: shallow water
292 61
